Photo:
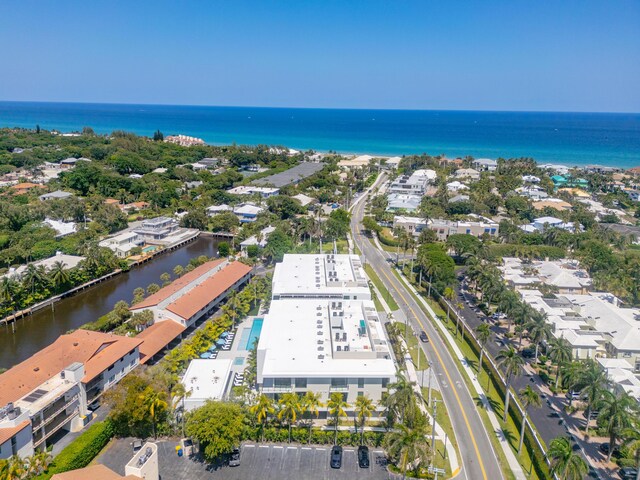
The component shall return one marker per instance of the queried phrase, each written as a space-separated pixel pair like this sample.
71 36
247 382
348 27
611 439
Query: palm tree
178 394
408 445
364 409
595 381
401 401
483 334
512 363
289 409
528 397
449 294
560 352
311 404
336 409
155 403
178 270
565 462
262 409
32 277
617 413
59 274
539 331
572 378
632 437
14 469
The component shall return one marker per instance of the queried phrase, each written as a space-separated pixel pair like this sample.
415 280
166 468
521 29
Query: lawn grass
342 244
442 418
381 288
417 354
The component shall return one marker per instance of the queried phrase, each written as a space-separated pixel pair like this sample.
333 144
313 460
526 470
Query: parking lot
268 462
288 462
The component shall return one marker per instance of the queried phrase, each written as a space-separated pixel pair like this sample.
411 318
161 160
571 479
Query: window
385 382
361 394
361 383
339 382
301 383
282 382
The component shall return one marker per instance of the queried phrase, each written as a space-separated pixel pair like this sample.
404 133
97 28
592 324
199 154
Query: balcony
277 389
339 388
59 422
51 415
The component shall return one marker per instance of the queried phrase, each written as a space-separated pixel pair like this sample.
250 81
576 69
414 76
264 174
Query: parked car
424 337
234 459
363 456
137 445
336 456
528 352
606 447
628 473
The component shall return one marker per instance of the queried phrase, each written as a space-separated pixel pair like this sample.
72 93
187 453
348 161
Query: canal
35 332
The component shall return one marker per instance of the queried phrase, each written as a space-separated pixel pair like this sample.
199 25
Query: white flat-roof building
123 244
485 164
264 192
403 201
247 212
415 184
68 261
206 379
62 228
322 332
216 209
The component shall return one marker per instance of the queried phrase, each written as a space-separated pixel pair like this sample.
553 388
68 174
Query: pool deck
237 347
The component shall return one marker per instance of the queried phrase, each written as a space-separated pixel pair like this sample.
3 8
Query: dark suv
363 456
336 456
424 337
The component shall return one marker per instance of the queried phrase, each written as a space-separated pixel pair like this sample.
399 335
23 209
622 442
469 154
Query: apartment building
445 228
414 184
322 332
51 390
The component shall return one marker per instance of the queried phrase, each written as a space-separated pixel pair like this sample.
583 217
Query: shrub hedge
80 452
389 242
318 437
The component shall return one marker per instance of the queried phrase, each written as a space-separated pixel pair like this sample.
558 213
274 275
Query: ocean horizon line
360 109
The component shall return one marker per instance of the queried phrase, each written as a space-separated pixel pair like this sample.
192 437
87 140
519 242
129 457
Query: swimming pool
250 335
149 249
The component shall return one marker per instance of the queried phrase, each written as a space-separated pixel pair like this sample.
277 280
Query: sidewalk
514 465
412 375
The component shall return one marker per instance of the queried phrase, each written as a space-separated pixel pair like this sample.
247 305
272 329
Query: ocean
610 139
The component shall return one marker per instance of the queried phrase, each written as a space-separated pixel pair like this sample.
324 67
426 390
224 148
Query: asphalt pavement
479 461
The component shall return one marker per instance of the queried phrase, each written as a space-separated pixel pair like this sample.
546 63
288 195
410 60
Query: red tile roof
158 336
198 297
97 351
177 285
7 433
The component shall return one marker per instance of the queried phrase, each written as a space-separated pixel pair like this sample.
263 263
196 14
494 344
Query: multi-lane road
479 461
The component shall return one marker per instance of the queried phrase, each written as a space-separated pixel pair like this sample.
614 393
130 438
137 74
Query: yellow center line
464 415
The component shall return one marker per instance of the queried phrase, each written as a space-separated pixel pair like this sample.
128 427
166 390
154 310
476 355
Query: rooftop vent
320 332
320 357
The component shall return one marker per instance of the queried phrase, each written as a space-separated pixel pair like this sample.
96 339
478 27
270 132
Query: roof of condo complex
96 350
322 322
291 176
190 293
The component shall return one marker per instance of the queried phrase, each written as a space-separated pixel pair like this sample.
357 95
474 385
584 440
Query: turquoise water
569 138
254 333
148 249
238 360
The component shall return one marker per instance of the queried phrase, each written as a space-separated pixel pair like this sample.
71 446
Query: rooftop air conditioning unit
338 348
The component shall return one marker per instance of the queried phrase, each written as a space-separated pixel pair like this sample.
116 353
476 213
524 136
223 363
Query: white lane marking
277 446
249 446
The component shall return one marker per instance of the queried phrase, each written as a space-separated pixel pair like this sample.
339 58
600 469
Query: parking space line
249 446
278 446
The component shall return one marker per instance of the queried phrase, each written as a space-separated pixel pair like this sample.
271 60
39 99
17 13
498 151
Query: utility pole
430 372
433 429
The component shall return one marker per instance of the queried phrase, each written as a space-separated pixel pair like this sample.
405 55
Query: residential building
216 209
412 225
62 228
543 223
51 390
123 244
530 179
470 173
195 294
25 187
561 181
392 162
565 276
184 140
57 195
414 184
532 192
478 227
264 192
459 198
68 261
158 228
322 332
247 212
304 199
403 201
456 186
356 162
485 164
259 240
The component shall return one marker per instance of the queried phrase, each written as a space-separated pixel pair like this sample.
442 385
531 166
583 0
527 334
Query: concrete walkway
514 465
412 375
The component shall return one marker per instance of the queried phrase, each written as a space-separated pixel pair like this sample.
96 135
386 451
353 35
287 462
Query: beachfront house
485 165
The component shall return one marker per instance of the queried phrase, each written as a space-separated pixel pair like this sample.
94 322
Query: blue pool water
250 335
238 360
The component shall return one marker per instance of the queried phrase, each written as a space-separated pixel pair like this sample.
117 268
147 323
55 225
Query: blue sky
564 55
